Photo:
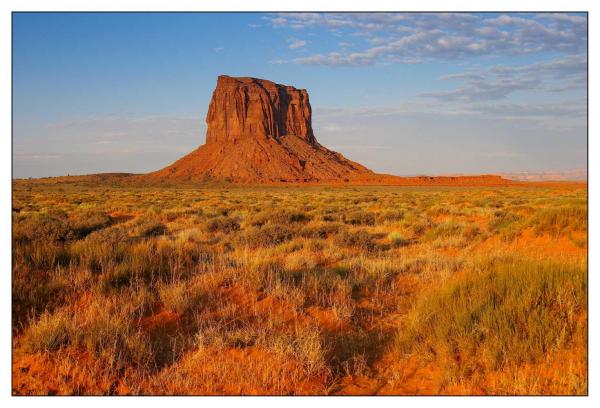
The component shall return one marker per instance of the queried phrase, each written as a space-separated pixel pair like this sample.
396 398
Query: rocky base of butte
260 132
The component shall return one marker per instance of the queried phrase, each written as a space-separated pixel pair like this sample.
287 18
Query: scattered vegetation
322 290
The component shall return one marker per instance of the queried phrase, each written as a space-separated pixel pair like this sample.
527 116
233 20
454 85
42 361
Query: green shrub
117 276
258 220
390 215
34 292
556 221
446 230
356 239
359 217
510 312
503 220
319 231
150 228
41 227
421 226
269 235
288 216
57 227
223 224
87 222
101 248
112 236
397 239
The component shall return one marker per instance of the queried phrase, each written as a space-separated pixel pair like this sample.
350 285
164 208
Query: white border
7 6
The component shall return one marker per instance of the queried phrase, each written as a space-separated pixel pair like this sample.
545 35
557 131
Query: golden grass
231 290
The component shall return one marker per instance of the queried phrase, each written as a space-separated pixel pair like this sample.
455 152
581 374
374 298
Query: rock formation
261 132
253 108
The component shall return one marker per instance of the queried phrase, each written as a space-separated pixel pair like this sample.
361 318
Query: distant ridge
548 175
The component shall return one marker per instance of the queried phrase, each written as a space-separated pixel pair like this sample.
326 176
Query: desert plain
204 289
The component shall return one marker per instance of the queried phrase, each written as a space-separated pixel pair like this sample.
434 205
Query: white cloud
551 110
485 89
497 82
398 38
297 44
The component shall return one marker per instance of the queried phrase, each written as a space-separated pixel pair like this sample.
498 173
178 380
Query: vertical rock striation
250 108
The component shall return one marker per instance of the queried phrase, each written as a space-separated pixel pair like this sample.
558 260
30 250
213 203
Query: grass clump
86 222
223 224
397 239
269 235
507 314
390 216
359 217
360 239
181 296
557 221
289 216
46 228
49 332
446 230
503 220
319 231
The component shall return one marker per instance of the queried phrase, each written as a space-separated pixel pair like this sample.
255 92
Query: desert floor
320 290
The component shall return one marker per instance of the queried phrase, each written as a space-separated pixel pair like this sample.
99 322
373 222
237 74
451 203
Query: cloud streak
295 44
107 143
498 82
414 37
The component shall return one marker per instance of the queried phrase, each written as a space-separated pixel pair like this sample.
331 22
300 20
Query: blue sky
401 93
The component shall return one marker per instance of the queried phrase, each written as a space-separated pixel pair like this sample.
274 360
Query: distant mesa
260 132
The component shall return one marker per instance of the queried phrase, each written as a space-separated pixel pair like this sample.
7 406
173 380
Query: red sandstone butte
252 108
260 132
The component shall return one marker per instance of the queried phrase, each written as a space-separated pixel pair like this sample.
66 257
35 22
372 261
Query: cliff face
252 108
